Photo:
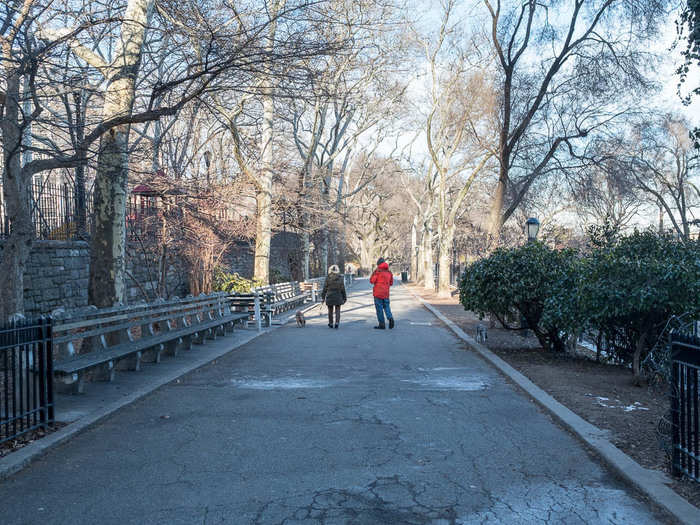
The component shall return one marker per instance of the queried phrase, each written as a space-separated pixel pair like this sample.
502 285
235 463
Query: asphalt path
317 425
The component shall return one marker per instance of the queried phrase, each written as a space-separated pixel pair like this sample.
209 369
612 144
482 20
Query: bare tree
128 89
354 93
422 190
457 130
664 164
561 78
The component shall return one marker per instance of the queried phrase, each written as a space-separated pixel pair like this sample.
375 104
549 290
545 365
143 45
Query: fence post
675 420
48 347
41 358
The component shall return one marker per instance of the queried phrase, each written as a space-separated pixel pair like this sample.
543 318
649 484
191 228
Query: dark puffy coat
333 293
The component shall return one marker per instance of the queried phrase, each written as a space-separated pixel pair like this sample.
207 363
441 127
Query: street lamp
532 227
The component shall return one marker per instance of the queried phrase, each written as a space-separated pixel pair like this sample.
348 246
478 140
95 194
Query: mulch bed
603 394
26 439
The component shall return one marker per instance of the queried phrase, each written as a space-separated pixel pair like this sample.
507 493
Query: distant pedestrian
382 279
334 295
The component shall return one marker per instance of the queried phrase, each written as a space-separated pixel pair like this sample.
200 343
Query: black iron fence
59 213
26 377
685 405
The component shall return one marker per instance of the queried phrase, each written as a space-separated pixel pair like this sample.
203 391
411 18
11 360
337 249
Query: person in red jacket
382 279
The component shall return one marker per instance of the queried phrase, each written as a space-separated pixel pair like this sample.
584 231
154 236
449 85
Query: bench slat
91 359
134 321
177 307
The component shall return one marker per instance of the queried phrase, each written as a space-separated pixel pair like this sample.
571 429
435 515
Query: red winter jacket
382 280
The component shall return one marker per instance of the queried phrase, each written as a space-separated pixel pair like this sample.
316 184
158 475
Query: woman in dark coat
334 295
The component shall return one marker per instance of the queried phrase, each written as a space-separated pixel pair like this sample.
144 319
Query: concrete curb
16 461
651 483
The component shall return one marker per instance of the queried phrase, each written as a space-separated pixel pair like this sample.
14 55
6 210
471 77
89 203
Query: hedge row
623 288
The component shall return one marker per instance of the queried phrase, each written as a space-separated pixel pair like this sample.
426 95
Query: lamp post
532 227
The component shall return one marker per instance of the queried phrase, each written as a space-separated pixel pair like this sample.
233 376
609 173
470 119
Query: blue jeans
382 305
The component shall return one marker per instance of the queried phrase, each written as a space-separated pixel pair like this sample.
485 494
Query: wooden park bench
255 304
273 299
289 295
93 343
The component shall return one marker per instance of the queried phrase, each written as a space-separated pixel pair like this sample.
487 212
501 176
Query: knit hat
380 261
334 269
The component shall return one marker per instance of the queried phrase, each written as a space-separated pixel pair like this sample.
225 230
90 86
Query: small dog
301 322
481 333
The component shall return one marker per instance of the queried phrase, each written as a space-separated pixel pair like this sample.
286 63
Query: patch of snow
282 383
627 408
451 383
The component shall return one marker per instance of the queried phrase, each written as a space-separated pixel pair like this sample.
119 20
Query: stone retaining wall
58 271
57 275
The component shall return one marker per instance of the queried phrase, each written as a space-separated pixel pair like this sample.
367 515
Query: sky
668 98
427 15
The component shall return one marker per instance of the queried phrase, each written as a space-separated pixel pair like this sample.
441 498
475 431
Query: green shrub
631 286
532 281
233 283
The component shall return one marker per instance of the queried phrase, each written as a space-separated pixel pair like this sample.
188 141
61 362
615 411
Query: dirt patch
26 439
637 418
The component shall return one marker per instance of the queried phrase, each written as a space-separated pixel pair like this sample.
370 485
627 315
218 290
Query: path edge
22 458
651 483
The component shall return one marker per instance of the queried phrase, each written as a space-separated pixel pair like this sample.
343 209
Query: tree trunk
324 250
306 254
27 154
79 183
598 346
637 358
428 262
413 256
340 244
107 284
16 191
366 262
420 258
445 260
263 230
495 225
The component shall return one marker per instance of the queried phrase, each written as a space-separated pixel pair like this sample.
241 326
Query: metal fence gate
26 377
685 401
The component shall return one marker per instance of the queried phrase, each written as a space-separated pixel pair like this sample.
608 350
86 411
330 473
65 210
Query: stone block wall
285 257
57 275
58 271
142 278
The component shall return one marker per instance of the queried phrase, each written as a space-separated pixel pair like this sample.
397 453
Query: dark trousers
335 307
382 305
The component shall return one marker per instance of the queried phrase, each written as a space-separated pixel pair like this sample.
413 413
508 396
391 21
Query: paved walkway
352 426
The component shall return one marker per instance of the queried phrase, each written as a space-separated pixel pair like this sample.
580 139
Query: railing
685 405
58 215
317 283
26 378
